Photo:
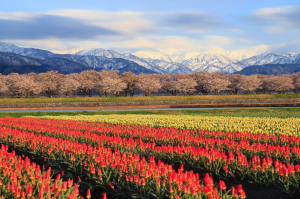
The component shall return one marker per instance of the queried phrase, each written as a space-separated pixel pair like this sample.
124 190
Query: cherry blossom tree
266 83
69 84
149 83
234 85
282 83
185 83
202 82
50 82
296 82
24 85
110 83
219 82
3 86
88 80
131 80
249 83
169 84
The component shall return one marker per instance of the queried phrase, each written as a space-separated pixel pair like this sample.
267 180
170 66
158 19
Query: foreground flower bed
261 158
118 173
226 155
221 157
25 179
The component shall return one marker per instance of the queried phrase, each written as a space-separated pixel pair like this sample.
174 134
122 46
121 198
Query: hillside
270 69
7 69
67 64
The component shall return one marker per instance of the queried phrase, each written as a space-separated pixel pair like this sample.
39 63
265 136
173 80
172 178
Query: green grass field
145 98
238 112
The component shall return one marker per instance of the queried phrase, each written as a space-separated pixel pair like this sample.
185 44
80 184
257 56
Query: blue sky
166 25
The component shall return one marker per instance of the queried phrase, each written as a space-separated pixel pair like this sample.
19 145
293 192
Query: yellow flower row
289 126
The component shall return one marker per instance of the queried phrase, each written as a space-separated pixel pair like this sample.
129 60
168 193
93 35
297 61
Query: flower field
138 156
109 163
271 126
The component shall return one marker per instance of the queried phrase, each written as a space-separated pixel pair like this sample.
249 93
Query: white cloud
171 44
18 16
43 26
164 43
275 29
191 22
54 44
255 50
212 40
49 43
272 12
291 46
127 22
283 17
129 31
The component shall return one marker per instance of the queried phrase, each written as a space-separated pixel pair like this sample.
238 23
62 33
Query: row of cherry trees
110 83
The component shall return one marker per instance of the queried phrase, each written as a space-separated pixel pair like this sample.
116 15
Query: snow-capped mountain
212 61
93 58
99 52
150 61
7 47
203 61
30 52
186 62
170 67
153 54
271 58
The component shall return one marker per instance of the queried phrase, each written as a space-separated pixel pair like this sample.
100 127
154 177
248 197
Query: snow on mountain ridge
153 55
270 58
7 47
217 60
210 60
99 52
31 52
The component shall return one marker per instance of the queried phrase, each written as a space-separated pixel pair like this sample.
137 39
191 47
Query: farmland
147 98
151 155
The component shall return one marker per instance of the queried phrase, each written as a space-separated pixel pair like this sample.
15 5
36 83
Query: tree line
110 83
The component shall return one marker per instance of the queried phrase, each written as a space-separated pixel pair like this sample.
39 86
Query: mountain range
147 61
270 69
